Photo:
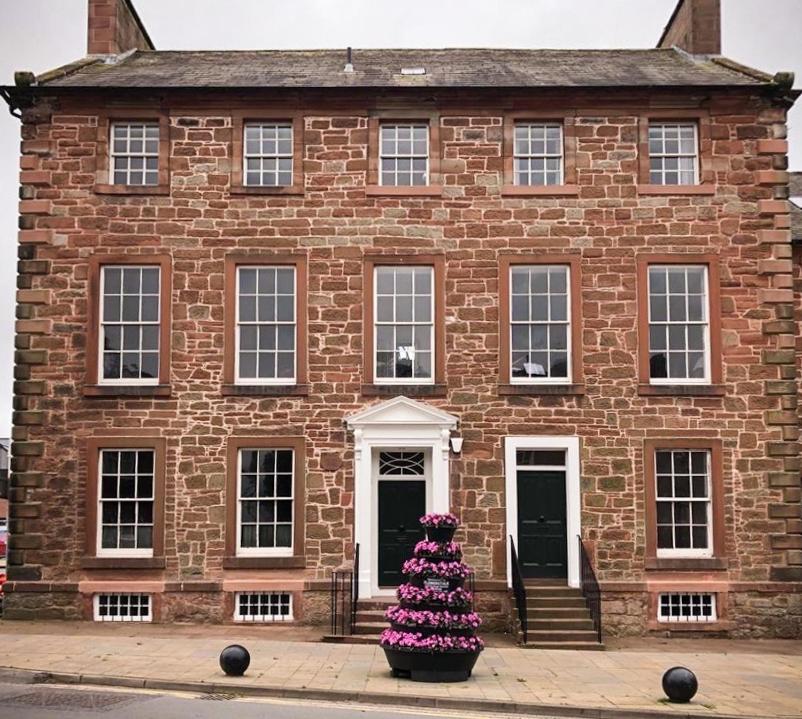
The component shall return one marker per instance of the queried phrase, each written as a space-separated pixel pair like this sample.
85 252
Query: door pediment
401 411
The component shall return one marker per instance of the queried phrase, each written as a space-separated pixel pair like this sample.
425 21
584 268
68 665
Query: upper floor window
404 324
683 479
679 331
266 324
538 153
135 153
404 154
540 326
268 154
126 495
673 153
265 501
130 324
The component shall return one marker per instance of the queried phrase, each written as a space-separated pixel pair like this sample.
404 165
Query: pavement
737 679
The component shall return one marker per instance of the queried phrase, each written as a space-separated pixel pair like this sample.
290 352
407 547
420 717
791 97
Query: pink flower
421 595
415 641
425 548
449 570
442 619
439 520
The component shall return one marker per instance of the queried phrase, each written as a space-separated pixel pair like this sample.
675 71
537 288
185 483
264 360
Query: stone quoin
260 293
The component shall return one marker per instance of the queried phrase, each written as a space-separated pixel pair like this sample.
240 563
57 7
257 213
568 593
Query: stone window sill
113 390
687 564
540 190
676 390
267 190
410 390
404 191
676 190
123 563
294 562
265 390
102 189
542 389
694 627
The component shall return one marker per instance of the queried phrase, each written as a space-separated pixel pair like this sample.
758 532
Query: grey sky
41 34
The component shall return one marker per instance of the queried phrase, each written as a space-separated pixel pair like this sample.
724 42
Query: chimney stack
115 28
695 27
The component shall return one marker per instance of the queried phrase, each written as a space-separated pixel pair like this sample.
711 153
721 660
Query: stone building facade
144 417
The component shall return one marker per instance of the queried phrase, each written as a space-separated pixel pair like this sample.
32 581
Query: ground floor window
122 607
686 607
263 607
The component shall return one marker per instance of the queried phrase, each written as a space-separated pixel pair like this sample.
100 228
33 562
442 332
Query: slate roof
382 68
795 191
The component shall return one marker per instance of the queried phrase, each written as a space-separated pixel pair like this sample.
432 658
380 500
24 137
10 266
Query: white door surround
573 511
398 423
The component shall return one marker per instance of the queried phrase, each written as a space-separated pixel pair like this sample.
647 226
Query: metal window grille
135 153
126 497
266 325
263 607
268 154
673 153
266 500
122 607
129 324
538 153
686 607
404 154
404 324
540 323
401 463
678 324
683 502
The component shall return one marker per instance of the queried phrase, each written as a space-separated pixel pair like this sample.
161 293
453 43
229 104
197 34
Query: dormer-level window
673 153
135 153
404 154
538 153
268 154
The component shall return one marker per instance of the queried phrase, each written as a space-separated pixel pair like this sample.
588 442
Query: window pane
269 477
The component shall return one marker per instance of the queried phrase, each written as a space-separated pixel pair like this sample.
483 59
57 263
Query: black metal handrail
343 597
518 589
590 589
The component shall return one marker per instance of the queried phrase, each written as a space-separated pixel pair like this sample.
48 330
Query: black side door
402 503
542 534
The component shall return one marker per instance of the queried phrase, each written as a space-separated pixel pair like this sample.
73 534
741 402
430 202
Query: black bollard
234 660
680 684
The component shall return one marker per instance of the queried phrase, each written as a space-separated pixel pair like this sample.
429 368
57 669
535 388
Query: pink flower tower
432 637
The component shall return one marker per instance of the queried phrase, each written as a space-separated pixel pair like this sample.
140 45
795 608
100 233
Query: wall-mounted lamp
456 445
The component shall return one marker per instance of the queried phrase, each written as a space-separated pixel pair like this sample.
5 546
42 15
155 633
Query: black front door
402 502
542 535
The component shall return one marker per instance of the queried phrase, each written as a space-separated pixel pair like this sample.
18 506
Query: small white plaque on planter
437 583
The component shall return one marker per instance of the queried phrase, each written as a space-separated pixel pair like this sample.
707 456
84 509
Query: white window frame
706 379
144 155
377 324
568 379
529 124
258 156
101 551
662 155
269 381
687 551
669 619
140 619
399 156
126 381
262 618
265 551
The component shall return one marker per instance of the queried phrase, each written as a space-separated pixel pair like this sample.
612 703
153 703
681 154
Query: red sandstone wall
608 223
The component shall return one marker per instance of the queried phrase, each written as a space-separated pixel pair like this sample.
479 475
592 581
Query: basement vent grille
687 607
122 607
263 607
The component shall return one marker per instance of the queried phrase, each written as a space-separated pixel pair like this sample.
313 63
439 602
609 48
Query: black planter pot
419 580
457 557
440 534
431 631
431 667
